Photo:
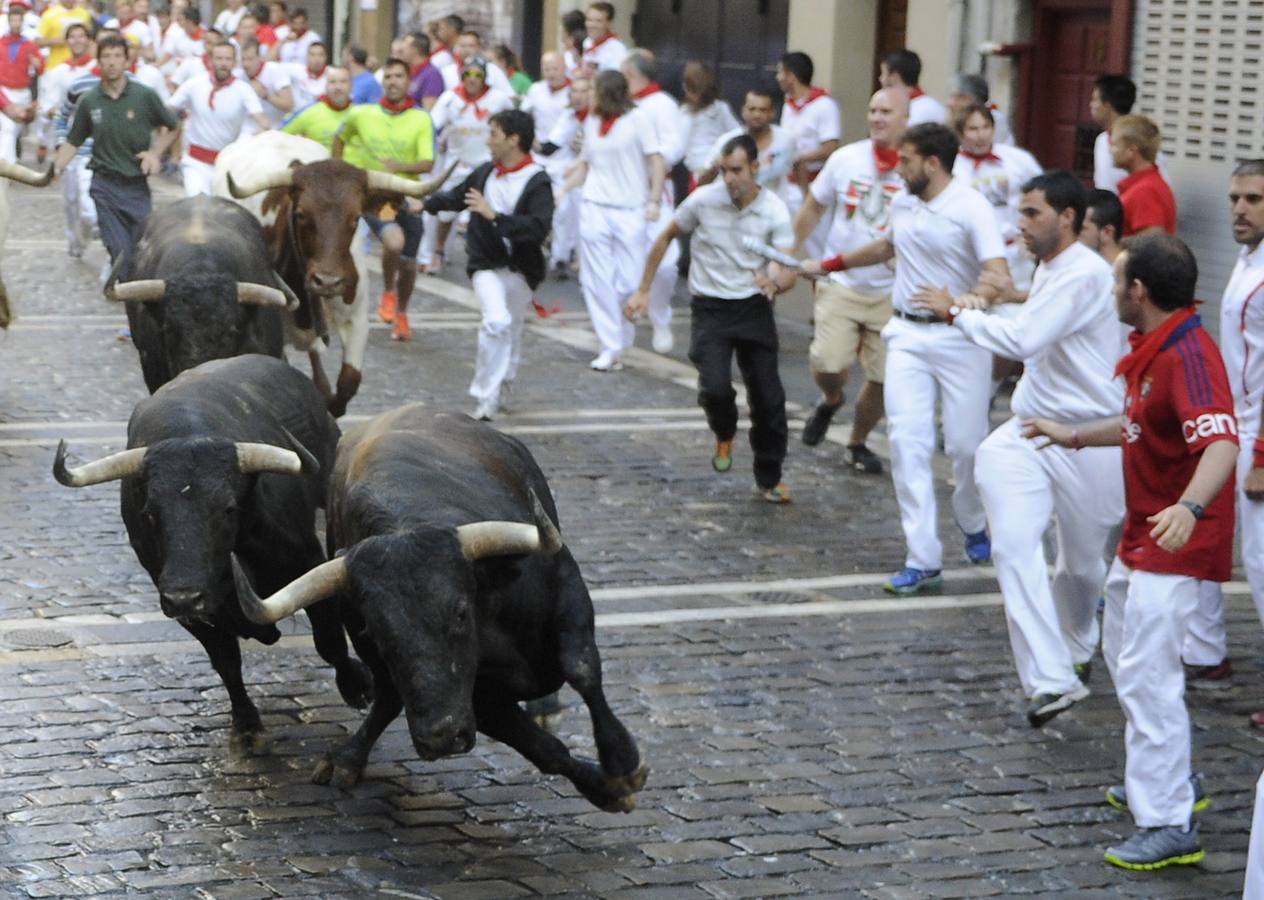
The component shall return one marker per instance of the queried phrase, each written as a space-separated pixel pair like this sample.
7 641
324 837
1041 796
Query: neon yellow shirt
53 24
319 121
370 134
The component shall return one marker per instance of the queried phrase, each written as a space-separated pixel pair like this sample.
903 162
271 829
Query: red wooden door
1072 49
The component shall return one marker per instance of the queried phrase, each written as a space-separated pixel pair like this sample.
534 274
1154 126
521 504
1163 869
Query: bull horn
550 537
260 295
385 181
26 176
109 468
250 187
255 459
145 289
292 301
324 581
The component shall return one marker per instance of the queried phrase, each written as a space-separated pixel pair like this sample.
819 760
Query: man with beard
321 121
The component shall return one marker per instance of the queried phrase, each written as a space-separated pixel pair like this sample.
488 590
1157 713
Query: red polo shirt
19 58
1148 201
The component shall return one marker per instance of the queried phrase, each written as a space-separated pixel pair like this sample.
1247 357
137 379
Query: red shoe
402 332
1257 719
386 308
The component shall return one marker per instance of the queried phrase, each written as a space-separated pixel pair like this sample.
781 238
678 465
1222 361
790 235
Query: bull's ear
311 466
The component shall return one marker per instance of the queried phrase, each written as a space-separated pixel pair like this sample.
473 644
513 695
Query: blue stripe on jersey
1195 374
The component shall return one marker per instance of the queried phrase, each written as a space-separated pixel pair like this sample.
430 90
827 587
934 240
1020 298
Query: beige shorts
847 326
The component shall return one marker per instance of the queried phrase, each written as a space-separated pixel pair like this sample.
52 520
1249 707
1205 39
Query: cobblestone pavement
805 735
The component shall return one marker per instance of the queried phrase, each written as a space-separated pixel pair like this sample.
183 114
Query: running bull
456 589
232 457
201 287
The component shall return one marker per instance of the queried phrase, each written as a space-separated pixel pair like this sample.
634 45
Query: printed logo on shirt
131 114
1131 430
993 187
95 114
870 201
1208 425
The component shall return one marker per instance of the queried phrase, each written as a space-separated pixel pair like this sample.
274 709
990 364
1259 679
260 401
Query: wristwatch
953 312
1195 508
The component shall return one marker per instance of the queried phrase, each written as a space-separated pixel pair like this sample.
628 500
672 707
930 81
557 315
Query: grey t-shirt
720 266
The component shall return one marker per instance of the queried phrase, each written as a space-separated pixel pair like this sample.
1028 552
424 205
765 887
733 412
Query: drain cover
35 638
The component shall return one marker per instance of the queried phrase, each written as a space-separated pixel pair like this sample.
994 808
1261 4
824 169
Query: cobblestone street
806 734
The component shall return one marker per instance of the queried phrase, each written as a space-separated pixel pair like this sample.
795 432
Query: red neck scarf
397 108
651 88
813 94
506 170
915 92
473 101
980 158
217 85
581 115
565 84
607 122
1145 347
324 98
197 33
317 74
79 62
257 72
885 158
609 35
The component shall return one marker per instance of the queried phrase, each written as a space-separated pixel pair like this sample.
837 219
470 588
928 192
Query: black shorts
410 222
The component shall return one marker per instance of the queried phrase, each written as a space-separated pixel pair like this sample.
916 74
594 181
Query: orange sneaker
402 332
386 308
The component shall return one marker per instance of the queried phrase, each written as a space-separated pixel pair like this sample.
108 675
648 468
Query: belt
203 154
920 320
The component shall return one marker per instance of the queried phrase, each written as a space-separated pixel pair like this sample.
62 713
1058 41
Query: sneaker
486 410
909 581
722 459
1154 848
862 459
979 548
819 422
401 331
606 361
1209 678
663 340
1044 707
1083 671
386 308
561 271
778 493
1117 797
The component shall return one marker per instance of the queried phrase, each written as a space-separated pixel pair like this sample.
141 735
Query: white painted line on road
796 610
823 582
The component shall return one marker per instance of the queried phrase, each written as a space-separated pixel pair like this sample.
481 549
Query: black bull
460 608
232 457
201 287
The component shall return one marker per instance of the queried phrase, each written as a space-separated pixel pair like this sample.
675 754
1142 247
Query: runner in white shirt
217 107
270 82
549 99
660 109
773 143
468 46
54 82
814 123
549 103
622 172
903 68
307 80
565 141
942 236
460 119
1113 96
707 116
853 194
227 21
445 32
603 51
293 47
1068 335
970 88
184 39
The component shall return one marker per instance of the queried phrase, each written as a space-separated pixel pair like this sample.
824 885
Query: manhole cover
37 637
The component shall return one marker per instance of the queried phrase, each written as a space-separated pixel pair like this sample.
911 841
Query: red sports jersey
19 59
1148 201
1177 403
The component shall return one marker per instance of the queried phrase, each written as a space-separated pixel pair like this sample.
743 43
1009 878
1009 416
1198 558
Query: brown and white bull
13 172
310 205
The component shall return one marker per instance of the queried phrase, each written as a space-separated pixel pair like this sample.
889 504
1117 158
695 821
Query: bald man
858 182
549 102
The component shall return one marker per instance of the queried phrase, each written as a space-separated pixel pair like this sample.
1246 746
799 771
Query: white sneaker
663 340
486 410
606 361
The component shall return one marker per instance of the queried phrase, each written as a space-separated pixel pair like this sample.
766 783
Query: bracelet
834 264
1075 442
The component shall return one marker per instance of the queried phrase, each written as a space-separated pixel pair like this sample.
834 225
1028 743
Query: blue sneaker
909 581
979 548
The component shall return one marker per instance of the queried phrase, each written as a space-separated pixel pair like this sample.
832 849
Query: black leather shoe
819 422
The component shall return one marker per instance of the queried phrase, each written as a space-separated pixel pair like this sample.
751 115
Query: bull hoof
355 683
621 792
330 773
624 804
337 406
249 743
635 781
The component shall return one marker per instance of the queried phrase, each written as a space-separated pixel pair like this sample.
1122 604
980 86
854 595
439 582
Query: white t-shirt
295 51
227 21
925 108
775 159
720 266
1000 181
860 197
463 124
496 78
215 128
189 68
1067 335
1242 338
701 131
305 86
54 83
566 133
547 106
151 77
664 113
618 171
275 78
180 46
608 53
943 243
503 191
441 58
811 122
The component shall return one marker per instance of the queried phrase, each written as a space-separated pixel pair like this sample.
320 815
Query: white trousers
1254 887
1142 630
504 296
925 362
1051 627
9 129
612 257
81 211
664 284
199 177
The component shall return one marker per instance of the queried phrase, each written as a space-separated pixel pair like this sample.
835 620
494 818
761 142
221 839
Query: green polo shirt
120 128
371 134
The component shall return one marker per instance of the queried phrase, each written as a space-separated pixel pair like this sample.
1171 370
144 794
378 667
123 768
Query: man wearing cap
20 62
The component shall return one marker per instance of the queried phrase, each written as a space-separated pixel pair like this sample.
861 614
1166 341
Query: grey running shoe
1117 797
1154 848
1044 707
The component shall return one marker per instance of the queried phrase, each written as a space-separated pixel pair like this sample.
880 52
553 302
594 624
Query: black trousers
123 205
745 328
